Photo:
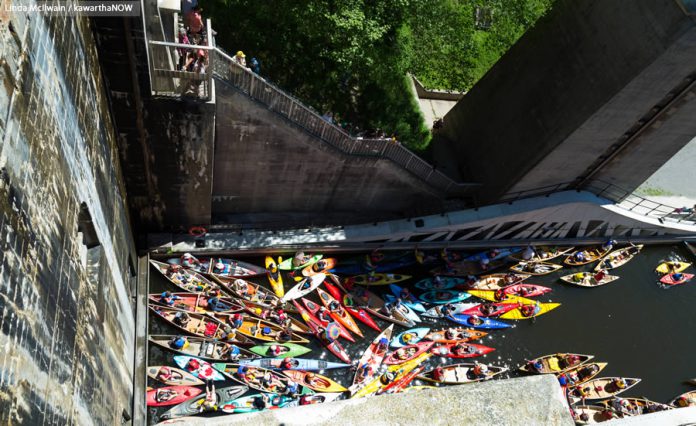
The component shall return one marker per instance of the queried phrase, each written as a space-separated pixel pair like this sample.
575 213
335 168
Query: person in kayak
299 259
168 298
261 402
439 374
324 315
276 350
527 311
292 389
179 342
210 401
289 364
164 374
474 320
677 276
487 309
387 377
181 319
463 349
579 256
499 295
480 370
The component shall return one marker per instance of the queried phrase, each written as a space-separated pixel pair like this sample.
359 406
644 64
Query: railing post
211 54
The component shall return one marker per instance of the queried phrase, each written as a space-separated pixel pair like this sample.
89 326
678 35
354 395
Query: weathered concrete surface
682 416
66 251
530 400
560 98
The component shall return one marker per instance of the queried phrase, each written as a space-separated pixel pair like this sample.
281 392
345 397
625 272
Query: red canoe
500 308
410 351
313 309
669 280
319 331
526 290
358 313
468 350
171 395
399 385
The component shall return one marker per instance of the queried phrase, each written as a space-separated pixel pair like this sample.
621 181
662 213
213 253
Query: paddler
474 320
236 320
499 295
168 298
299 259
439 374
480 370
218 267
188 261
179 342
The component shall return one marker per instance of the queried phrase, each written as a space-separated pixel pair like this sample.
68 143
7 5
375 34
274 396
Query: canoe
539 309
270 315
498 309
259 329
195 406
556 363
441 297
177 377
376 306
591 254
232 268
632 406
185 279
602 388
465 268
407 298
205 370
582 373
192 302
588 279
669 279
477 322
321 267
665 267
500 280
315 312
460 350
371 359
275 278
535 268
687 399
377 279
397 372
170 395
618 257
459 334
493 254
251 292
440 283
393 305
287 265
591 414
253 376
296 364
339 314
542 254
286 350
401 381
456 374
526 290
304 287
204 348
314 381
508 298
409 337
246 404
442 311
202 326
407 353
347 300
320 333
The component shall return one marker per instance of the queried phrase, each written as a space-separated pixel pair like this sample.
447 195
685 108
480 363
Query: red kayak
669 279
320 332
526 290
407 353
358 313
171 395
399 385
461 350
313 309
500 309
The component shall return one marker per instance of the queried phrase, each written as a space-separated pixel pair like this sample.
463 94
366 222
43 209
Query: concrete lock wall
568 91
267 170
66 252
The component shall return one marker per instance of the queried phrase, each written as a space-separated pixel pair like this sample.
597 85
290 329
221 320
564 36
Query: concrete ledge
532 400
682 416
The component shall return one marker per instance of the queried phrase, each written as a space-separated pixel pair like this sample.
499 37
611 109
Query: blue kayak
412 302
488 254
441 297
409 337
485 323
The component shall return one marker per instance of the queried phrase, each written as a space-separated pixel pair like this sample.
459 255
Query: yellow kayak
274 277
539 309
314 381
671 267
378 279
490 295
400 370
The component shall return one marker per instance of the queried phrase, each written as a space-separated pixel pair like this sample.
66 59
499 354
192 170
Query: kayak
203 348
542 254
410 306
602 388
671 267
535 268
271 315
253 377
260 329
460 350
458 334
193 302
275 278
247 404
177 376
490 295
618 257
286 350
398 371
539 309
409 337
408 299
442 297
304 287
371 359
588 279
378 279
296 364
170 395
632 406
556 363
478 322
407 353
287 265
376 306
456 374
195 406
687 399
589 255
339 313
314 381
320 332
669 279
594 414
496 281
231 268
205 370
185 279
583 372
321 267
254 293
440 283
497 309
201 326
393 306
357 312
401 381
314 310
526 290
442 311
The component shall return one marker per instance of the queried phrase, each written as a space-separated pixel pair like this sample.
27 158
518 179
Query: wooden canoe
193 302
170 395
318 315
542 254
371 359
671 267
591 254
590 414
632 406
204 348
587 279
556 363
602 388
202 326
456 374
459 334
195 406
687 399
500 280
407 353
177 376
259 329
296 325
539 309
246 290
460 350
275 278
184 279
232 268
339 314
254 377
204 371
583 372
314 381
304 287
619 257
535 268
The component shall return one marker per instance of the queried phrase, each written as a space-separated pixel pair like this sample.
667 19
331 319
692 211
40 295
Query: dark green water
640 329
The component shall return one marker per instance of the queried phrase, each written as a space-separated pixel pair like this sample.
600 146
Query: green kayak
286 265
283 350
